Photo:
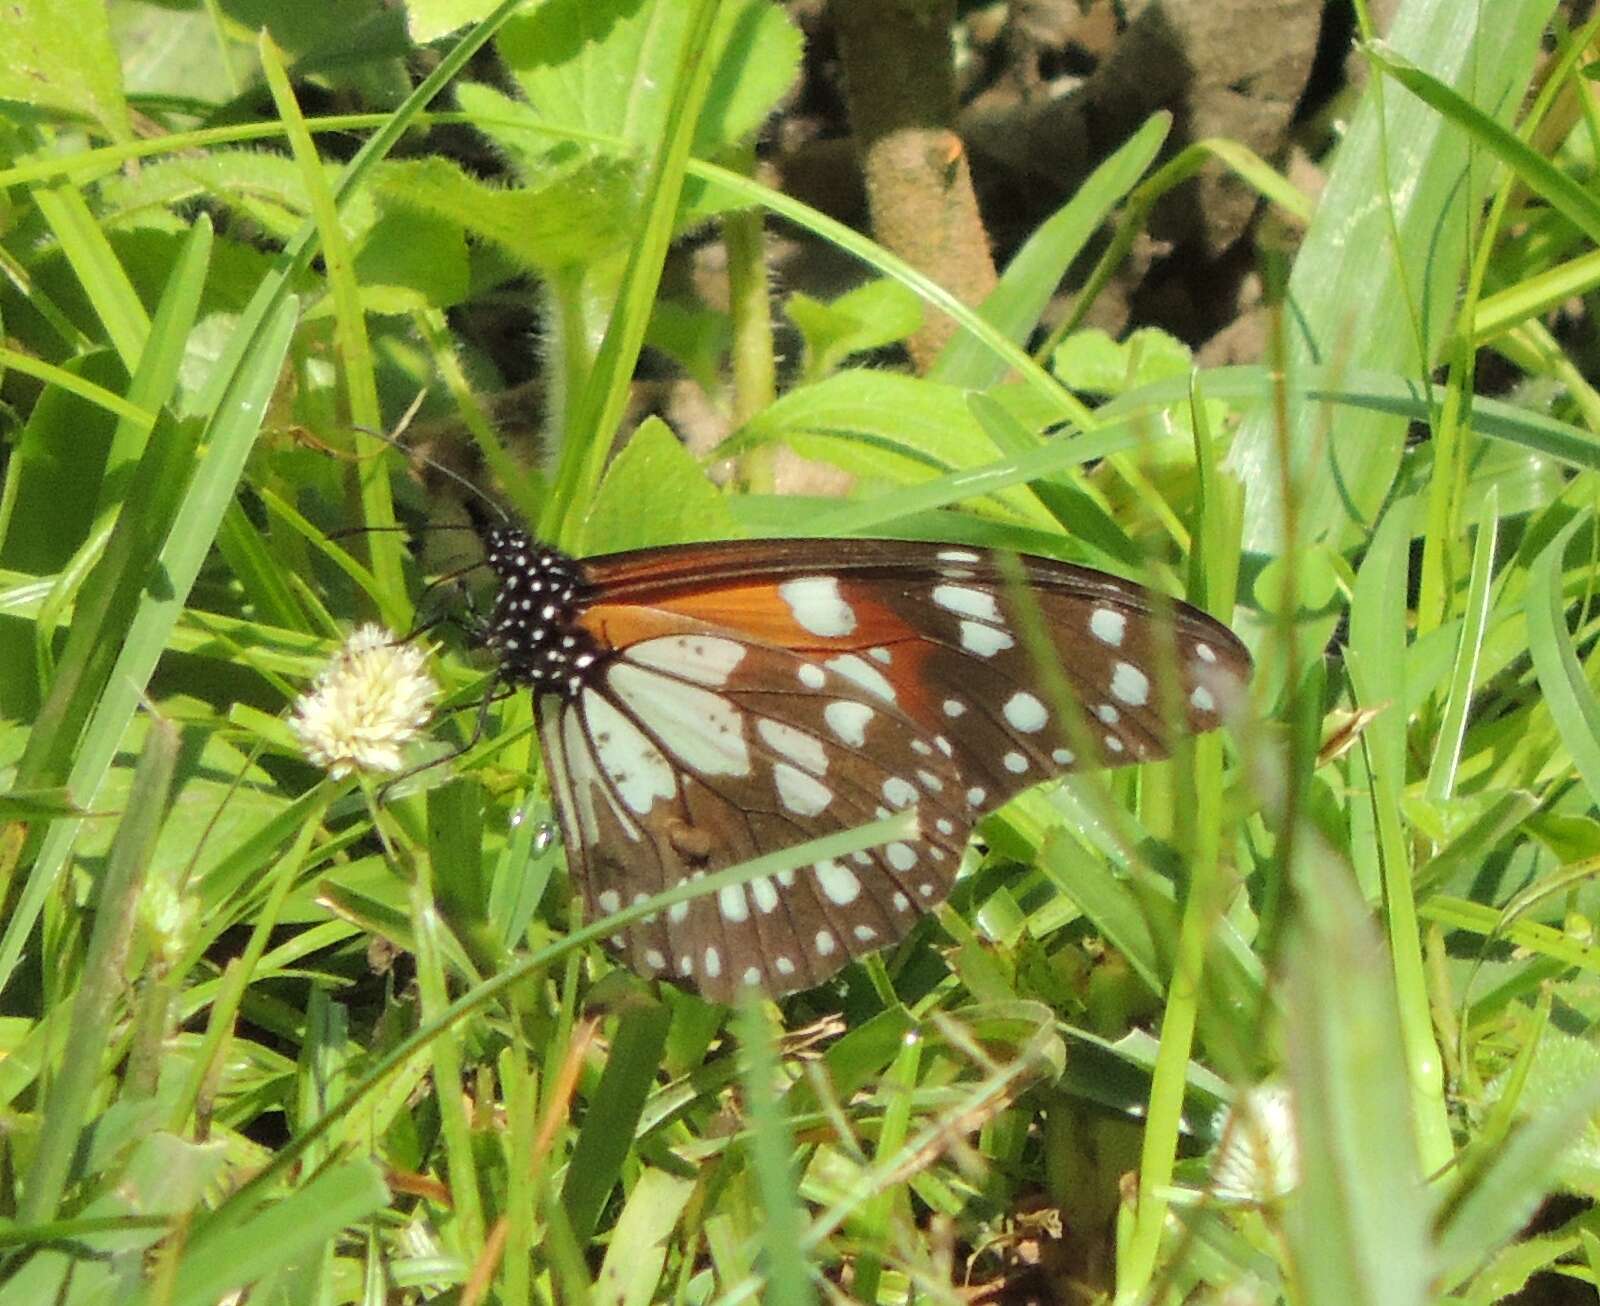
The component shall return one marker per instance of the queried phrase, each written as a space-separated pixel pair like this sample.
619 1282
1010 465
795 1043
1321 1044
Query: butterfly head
533 627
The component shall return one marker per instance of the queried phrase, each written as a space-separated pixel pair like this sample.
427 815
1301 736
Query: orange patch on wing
759 614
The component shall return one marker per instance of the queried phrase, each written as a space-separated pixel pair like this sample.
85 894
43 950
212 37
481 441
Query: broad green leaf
1502 1198
581 216
608 66
427 20
655 493
166 1177
1091 360
884 424
59 56
868 317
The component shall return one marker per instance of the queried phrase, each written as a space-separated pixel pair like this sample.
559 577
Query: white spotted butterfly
701 704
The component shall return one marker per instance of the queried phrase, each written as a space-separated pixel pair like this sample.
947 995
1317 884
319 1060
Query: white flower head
367 704
1258 1154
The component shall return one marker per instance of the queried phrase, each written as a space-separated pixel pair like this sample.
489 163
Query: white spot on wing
574 772
984 640
865 933
752 976
1108 626
793 745
1202 699
765 894
802 794
1130 684
1063 757
654 960
1025 712
864 674
706 730
636 768
848 720
958 555
713 963
898 792
976 795
954 707
1015 762
837 882
1107 713
704 659
609 901
825 943
880 654
818 606
783 965
1205 653
1113 744
732 903
965 601
902 856
812 676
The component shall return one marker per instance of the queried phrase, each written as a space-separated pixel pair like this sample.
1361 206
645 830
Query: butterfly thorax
533 628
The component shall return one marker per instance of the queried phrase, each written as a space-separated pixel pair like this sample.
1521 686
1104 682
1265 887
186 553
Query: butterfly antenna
346 532
475 493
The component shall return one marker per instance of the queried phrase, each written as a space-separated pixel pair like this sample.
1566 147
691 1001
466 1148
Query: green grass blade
352 345
466 1193
631 1272
1351 288
99 271
613 1119
600 407
1505 1196
282 1233
1566 693
229 437
67 1103
783 1258
1567 196
1357 1227
1445 764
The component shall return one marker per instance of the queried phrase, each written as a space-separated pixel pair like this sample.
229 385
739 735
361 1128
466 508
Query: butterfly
701 704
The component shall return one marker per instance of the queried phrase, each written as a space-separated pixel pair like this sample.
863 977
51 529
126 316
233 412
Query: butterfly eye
701 705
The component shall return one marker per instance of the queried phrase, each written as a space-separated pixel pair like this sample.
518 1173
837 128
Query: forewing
938 630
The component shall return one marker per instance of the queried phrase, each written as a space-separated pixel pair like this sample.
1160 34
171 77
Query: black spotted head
533 628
